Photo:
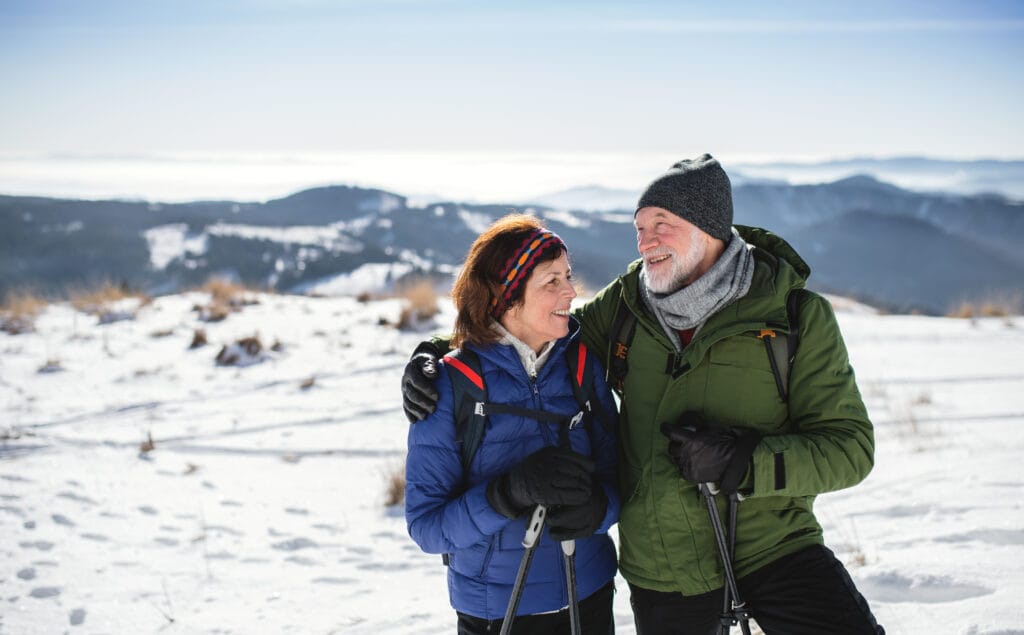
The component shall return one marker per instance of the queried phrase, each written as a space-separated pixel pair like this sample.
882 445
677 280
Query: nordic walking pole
569 555
530 540
737 611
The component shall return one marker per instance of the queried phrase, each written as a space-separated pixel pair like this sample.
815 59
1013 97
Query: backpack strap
581 367
782 352
472 407
470 397
623 330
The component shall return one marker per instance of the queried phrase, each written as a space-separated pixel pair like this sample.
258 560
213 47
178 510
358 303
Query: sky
750 80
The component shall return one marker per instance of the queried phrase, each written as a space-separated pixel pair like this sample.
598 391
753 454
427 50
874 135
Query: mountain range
898 249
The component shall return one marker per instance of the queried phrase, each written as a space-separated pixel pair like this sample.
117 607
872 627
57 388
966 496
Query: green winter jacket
820 441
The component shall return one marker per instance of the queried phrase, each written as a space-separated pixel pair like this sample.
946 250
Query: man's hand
419 397
707 454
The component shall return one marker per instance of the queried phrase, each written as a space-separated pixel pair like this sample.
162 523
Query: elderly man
730 374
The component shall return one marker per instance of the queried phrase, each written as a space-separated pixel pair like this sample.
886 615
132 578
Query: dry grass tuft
226 297
995 307
198 339
420 305
103 302
394 487
308 383
147 446
242 352
19 311
51 366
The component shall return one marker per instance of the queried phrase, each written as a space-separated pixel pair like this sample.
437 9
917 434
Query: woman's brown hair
480 281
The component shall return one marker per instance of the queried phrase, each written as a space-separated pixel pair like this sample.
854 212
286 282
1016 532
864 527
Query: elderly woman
539 448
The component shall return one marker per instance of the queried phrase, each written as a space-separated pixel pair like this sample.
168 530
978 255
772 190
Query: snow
368 278
170 242
329 236
260 507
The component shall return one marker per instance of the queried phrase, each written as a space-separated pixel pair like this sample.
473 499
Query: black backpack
472 406
781 352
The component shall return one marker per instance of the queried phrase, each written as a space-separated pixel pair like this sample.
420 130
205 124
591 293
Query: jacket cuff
487 519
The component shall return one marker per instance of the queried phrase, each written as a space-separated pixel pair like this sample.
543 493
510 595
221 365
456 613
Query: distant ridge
899 249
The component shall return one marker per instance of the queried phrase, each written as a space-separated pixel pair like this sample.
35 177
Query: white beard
674 278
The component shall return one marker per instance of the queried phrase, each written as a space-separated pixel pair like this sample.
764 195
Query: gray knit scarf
727 280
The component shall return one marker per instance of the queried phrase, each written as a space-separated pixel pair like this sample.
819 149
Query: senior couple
705 407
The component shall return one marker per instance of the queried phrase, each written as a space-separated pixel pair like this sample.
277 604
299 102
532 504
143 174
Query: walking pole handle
535 526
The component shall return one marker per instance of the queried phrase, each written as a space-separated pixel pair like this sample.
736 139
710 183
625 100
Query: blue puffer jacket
447 511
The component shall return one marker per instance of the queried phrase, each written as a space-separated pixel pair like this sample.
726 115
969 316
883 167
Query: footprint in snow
167 542
337 581
14 478
306 562
298 511
45 592
990 536
95 537
76 617
384 566
920 589
149 511
28 573
11 509
61 519
221 555
41 545
295 544
78 498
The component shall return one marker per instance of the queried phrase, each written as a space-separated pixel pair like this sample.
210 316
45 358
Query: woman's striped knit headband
520 266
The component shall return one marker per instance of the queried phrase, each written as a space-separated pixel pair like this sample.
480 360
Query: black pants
808 592
595 618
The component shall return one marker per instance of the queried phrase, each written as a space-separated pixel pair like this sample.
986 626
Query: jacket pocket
486 562
741 388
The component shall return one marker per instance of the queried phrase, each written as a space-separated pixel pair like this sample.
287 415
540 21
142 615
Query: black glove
569 522
419 397
706 454
550 476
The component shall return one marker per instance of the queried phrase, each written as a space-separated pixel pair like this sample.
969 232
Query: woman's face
543 314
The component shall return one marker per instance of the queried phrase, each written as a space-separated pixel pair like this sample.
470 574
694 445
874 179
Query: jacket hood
776 246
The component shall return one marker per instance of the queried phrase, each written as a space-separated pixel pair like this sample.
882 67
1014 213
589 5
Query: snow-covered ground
260 508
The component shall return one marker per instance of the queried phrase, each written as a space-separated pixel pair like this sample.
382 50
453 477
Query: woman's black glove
419 397
569 522
550 476
707 454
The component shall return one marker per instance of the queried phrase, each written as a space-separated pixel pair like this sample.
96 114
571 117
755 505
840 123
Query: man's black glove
419 397
706 454
569 522
550 476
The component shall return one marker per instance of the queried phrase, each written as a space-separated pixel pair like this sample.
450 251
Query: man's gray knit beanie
696 190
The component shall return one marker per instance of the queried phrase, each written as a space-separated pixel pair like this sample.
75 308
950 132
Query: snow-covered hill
260 507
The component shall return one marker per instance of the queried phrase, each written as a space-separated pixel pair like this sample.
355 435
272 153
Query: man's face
672 249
